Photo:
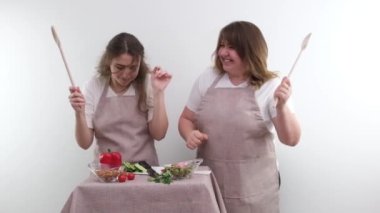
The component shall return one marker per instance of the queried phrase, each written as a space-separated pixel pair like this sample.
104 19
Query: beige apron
120 126
240 150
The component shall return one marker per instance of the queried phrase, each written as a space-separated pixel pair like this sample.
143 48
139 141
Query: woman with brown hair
233 112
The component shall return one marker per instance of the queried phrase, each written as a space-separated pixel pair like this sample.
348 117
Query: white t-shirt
264 95
93 90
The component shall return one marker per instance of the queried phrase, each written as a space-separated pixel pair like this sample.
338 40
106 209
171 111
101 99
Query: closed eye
120 67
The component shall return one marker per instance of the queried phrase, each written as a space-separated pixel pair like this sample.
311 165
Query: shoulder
96 81
265 96
95 85
270 85
200 86
265 93
206 78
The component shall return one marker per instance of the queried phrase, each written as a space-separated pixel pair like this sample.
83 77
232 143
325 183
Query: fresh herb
165 177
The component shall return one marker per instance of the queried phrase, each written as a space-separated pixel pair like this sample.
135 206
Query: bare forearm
83 134
185 127
287 127
186 124
188 130
159 124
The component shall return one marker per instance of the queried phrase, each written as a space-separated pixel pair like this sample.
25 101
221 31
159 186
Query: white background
334 168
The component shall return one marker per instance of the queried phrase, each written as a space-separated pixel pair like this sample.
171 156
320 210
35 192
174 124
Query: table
198 194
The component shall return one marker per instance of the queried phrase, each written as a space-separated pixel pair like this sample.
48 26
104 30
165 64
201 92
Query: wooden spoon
56 39
303 47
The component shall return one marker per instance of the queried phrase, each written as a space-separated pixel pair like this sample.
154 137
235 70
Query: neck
237 79
117 88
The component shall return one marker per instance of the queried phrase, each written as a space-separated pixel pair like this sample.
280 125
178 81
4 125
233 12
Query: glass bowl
105 173
184 169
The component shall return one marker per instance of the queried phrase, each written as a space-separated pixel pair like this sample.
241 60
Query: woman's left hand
283 92
160 79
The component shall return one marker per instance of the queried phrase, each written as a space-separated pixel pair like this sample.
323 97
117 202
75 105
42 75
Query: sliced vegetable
133 167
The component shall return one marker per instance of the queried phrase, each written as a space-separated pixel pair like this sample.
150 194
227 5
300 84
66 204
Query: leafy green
165 178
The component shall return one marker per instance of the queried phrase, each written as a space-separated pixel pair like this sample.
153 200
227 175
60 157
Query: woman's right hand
195 139
77 100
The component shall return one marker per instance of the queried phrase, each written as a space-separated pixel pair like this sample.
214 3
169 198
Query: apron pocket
252 177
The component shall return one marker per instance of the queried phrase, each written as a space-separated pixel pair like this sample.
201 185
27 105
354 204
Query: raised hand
160 79
283 92
77 100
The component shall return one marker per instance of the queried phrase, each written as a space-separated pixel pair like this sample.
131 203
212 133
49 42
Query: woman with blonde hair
123 106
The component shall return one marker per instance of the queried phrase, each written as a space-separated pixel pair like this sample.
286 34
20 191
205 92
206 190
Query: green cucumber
141 168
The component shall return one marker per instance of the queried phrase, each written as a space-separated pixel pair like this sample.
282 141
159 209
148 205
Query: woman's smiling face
124 69
230 59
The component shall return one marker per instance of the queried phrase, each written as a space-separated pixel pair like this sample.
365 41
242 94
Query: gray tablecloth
198 194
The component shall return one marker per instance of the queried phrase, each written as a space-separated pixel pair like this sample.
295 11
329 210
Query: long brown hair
118 45
249 43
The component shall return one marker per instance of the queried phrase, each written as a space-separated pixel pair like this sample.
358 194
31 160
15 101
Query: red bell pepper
111 158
